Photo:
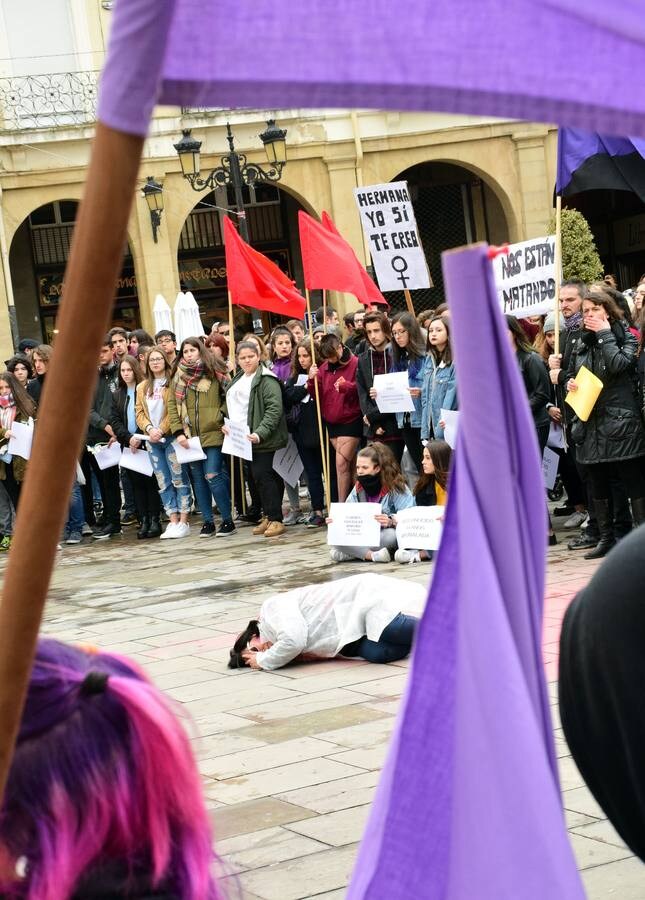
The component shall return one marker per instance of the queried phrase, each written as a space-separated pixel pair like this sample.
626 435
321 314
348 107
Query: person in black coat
376 359
612 440
302 422
123 422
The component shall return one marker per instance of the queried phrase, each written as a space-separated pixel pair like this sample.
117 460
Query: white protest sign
192 453
354 525
236 442
390 226
136 461
301 382
106 457
450 418
393 393
525 277
550 462
419 527
20 441
287 463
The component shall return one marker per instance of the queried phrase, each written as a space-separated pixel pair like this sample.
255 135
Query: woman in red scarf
196 408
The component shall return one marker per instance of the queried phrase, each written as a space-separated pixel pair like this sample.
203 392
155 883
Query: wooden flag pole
231 351
324 293
312 351
94 264
408 300
328 464
558 267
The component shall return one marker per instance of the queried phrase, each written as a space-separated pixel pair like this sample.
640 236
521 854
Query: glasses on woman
399 332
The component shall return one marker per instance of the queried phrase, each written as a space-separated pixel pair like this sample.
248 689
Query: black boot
606 529
638 510
143 528
155 527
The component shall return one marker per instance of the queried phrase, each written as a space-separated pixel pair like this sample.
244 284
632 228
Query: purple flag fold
468 805
588 161
481 57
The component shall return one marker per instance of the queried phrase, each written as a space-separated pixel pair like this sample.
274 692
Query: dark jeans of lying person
394 643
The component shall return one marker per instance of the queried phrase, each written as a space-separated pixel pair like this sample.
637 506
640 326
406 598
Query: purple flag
547 60
588 161
468 805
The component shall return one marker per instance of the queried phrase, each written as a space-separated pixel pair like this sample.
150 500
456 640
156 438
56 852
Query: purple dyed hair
102 778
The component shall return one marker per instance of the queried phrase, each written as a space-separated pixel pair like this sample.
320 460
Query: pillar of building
537 205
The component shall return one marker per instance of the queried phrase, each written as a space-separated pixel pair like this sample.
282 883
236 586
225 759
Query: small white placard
236 442
106 457
20 441
301 382
354 525
451 419
393 393
192 453
287 463
136 461
525 277
419 527
550 463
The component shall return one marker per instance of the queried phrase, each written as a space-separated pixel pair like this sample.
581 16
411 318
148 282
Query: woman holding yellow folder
612 439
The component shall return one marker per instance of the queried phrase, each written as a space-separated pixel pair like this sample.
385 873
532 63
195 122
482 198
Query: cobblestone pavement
289 759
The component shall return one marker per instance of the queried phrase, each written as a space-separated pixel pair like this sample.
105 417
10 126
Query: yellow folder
584 399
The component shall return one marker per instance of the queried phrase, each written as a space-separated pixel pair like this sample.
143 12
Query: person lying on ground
356 616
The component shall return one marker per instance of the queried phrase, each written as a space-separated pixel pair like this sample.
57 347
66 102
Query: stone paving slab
290 759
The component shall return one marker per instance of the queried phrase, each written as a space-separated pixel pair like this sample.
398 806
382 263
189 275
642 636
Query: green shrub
579 255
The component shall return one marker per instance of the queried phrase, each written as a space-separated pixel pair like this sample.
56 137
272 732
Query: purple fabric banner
468 805
576 147
482 57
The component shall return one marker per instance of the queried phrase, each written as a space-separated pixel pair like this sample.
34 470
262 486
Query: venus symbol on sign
400 268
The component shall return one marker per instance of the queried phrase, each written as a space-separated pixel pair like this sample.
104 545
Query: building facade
469 178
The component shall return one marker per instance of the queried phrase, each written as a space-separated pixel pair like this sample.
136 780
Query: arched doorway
272 217
453 206
37 259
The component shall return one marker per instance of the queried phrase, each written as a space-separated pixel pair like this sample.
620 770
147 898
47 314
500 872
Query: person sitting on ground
357 616
430 490
103 798
379 480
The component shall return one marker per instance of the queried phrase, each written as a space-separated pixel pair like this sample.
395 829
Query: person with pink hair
103 798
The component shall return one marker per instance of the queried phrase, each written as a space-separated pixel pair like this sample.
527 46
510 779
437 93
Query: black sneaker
103 534
251 518
208 529
128 518
560 511
226 528
584 541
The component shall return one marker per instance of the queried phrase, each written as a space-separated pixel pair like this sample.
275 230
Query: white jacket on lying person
357 616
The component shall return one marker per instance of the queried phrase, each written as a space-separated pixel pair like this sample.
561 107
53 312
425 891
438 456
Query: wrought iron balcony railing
30 102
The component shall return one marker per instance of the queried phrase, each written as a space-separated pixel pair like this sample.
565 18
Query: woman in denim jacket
408 354
439 383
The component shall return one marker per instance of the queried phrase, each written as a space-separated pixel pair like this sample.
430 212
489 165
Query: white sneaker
407 556
338 556
292 517
381 556
182 530
575 520
170 532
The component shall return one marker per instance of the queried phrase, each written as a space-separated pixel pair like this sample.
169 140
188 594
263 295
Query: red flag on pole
330 263
253 280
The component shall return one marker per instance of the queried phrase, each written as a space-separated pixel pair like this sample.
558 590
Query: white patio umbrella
192 313
181 318
162 314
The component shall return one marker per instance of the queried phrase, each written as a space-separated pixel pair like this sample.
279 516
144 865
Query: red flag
254 280
330 263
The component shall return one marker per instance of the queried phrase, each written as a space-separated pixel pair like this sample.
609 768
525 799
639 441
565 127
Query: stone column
536 192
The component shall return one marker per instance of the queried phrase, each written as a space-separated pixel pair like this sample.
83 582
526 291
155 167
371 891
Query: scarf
573 322
7 411
190 377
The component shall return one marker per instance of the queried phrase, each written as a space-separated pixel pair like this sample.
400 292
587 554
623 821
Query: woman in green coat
254 397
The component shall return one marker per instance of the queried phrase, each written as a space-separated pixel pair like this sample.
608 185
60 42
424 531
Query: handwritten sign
390 226
20 441
525 277
287 463
419 527
550 463
393 393
354 525
236 442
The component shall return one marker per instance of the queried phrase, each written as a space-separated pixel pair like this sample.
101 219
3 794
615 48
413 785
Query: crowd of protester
319 390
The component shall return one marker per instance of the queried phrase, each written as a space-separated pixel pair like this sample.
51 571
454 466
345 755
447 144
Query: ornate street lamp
153 193
236 171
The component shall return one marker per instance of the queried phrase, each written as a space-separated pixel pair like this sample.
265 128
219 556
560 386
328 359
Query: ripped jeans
174 486
211 480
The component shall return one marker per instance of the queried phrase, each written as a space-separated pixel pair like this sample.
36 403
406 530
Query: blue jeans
395 642
210 480
174 487
76 516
